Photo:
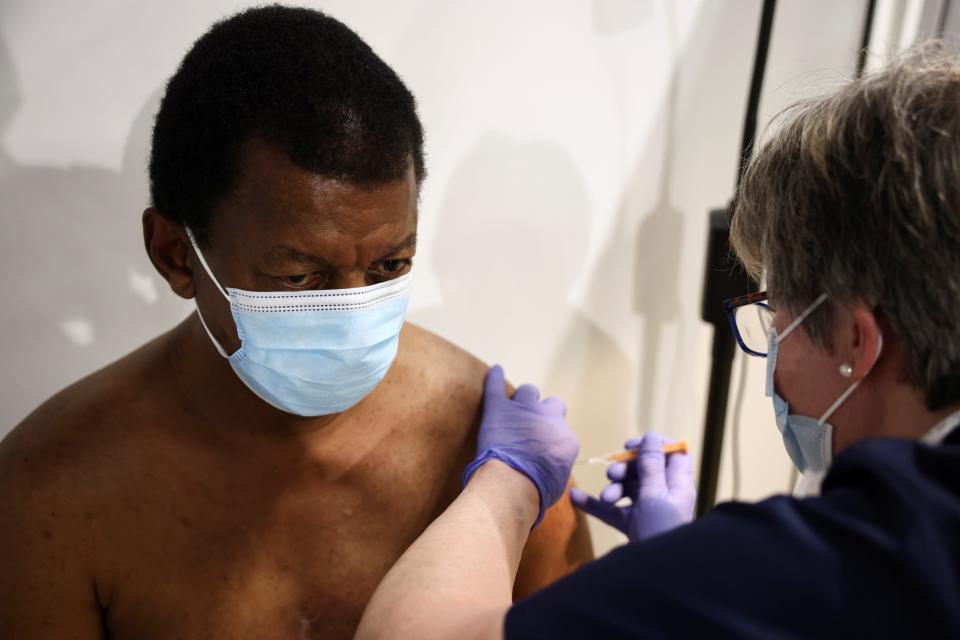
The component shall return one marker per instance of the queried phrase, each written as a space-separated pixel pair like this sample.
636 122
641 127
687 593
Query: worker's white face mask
809 441
314 353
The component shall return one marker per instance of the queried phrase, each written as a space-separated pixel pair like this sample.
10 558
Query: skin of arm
559 545
427 595
46 589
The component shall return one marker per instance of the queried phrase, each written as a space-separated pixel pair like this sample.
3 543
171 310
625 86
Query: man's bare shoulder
62 471
68 438
453 379
439 368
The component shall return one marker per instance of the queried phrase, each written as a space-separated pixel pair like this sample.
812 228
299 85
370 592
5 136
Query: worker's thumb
495 385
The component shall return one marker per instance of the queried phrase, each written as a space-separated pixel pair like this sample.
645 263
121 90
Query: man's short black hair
292 77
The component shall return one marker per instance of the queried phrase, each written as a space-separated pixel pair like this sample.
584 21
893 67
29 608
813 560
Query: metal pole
865 38
725 279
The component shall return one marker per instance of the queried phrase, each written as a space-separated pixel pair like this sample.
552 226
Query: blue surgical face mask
809 441
314 353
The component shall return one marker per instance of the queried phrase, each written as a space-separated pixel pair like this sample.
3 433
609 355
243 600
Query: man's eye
302 281
295 281
392 266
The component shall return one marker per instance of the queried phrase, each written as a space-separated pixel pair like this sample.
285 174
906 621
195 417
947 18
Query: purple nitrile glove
529 435
660 489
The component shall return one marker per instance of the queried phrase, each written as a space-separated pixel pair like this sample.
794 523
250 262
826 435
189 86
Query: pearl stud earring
846 370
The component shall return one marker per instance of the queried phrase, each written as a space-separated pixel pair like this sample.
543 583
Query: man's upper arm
560 544
46 590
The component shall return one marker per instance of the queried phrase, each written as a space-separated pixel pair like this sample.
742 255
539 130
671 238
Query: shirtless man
176 494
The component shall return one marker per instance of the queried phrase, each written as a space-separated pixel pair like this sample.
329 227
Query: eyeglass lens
753 323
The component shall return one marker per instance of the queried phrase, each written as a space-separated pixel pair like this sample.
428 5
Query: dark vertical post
865 37
723 279
942 18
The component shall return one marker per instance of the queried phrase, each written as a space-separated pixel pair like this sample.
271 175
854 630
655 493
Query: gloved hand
660 489
529 435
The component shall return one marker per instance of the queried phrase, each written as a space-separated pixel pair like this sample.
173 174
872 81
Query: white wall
574 150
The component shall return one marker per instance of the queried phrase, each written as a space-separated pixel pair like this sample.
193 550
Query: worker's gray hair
857 194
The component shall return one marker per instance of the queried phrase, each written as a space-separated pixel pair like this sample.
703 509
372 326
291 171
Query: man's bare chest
262 559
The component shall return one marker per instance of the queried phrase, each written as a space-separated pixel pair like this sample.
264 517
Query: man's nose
348 280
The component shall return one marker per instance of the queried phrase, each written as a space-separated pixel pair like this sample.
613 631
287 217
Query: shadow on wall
642 273
78 288
613 17
658 242
523 203
637 274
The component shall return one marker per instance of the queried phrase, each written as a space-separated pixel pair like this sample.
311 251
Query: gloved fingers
616 517
620 471
614 491
679 471
495 386
651 467
679 474
611 493
527 394
555 407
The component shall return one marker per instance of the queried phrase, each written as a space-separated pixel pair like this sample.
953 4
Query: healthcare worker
851 212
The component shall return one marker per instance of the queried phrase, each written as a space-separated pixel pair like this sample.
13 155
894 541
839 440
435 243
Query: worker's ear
865 340
168 246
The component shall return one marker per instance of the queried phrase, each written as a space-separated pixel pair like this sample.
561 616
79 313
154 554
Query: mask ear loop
206 267
846 394
800 318
774 339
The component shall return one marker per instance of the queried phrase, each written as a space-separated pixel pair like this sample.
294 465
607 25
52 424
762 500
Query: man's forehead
272 192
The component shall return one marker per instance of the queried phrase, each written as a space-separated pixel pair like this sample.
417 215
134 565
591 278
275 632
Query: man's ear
169 250
866 340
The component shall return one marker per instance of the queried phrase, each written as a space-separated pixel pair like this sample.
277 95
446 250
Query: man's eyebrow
284 253
410 241
289 254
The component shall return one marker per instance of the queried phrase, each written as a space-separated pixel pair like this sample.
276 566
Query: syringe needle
627 455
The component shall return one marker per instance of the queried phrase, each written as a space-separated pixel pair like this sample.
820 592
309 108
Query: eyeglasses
750 319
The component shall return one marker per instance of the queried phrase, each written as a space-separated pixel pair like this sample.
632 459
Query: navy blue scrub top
876 555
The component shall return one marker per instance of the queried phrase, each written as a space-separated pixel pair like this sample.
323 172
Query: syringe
628 455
